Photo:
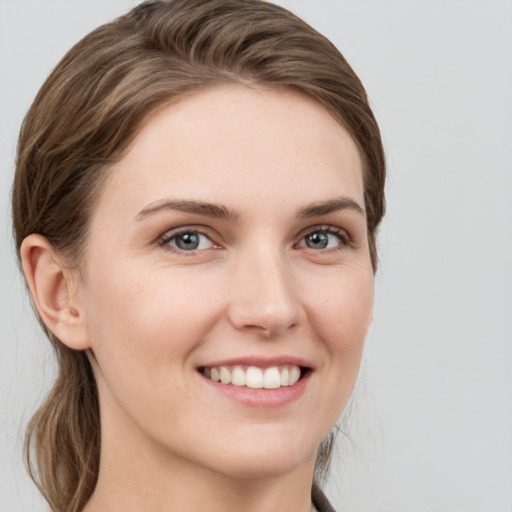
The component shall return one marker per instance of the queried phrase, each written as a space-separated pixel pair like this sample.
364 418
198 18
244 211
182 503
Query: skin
151 313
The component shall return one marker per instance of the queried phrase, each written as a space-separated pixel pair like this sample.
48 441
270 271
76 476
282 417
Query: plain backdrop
431 426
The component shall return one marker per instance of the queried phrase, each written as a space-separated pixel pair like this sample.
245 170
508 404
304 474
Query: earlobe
54 289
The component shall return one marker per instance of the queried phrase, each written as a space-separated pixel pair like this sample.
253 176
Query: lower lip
261 397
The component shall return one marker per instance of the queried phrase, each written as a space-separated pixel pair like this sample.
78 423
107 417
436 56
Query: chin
255 461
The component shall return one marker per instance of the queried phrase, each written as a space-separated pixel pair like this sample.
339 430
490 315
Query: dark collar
319 500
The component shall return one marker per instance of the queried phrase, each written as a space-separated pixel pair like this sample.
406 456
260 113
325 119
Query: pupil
317 241
188 241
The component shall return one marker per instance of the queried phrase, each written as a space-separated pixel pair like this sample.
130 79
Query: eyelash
341 234
169 236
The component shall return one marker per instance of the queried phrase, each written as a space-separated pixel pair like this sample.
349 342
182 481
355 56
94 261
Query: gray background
431 429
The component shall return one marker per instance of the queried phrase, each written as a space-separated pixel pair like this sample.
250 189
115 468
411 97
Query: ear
55 291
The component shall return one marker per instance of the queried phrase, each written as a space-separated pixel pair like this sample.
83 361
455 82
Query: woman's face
230 242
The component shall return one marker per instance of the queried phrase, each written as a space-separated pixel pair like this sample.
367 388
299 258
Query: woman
197 194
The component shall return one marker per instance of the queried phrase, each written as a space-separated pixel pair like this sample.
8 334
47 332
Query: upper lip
259 361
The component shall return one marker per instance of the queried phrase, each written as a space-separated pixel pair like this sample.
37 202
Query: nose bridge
264 298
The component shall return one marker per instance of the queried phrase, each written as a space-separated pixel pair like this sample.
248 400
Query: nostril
268 331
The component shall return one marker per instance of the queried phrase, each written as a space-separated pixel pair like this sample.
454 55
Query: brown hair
85 116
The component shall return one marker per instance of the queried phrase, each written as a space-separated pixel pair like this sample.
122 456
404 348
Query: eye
188 241
324 238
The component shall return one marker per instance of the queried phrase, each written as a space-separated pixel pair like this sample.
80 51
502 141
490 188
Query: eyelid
329 229
164 239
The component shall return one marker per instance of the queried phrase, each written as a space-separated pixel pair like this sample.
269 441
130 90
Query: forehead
239 144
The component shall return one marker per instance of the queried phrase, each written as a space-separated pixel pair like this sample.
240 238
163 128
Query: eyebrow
326 207
221 212
194 207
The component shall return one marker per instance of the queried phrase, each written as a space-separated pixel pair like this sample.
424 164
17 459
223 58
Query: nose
264 297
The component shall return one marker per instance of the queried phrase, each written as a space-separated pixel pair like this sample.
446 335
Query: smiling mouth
254 377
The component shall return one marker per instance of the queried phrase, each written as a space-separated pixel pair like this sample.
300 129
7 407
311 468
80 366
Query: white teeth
225 376
254 377
284 377
294 375
238 376
271 378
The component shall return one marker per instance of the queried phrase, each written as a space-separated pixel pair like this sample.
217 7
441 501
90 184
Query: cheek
343 308
343 316
145 319
340 312
143 330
